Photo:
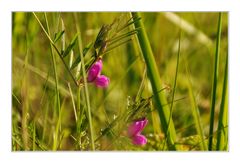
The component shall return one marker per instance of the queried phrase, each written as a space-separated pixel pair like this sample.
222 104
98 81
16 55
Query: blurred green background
32 70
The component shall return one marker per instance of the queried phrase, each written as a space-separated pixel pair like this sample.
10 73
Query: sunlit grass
154 73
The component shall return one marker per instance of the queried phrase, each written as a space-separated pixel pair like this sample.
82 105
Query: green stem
80 111
195 111
164 112
86 94
222 120
56 86
214 84
174 84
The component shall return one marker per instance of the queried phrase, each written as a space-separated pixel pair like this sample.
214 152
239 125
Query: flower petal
136 127
139 140
102 81
94 71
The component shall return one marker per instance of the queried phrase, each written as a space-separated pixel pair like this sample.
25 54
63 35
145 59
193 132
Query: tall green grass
214 83
222 130
57 99
154 77
86 93
195 112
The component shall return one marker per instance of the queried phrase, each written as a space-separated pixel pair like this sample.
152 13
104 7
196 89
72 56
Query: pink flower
139 140
135 129
94 75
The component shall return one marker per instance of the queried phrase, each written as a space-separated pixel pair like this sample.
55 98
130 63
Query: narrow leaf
57 36
214 83
222 120
70 46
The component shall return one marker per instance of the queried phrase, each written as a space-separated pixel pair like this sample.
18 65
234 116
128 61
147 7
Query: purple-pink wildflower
135 129
94 75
